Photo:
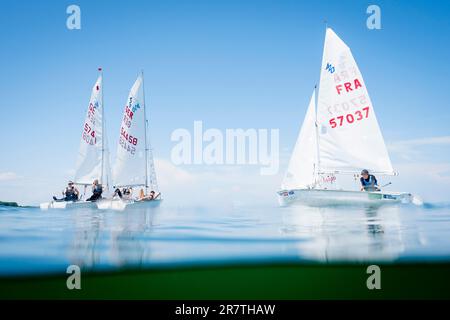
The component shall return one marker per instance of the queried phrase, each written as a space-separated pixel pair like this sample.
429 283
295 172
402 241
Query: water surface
34 241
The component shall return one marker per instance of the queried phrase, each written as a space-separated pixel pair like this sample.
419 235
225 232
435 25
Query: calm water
35 241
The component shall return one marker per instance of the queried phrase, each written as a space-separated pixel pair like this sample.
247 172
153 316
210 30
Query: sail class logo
135 107
329 67
232 147
131 109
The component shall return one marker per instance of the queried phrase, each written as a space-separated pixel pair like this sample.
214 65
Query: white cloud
414 148
423 165
424 141
8 176
430 181
436 172
169 174
221 185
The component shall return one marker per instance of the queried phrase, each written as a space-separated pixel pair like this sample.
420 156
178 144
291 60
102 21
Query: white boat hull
68 205
322 197
119 204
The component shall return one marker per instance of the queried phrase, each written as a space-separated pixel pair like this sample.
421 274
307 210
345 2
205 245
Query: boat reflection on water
111 239
346 234
162 236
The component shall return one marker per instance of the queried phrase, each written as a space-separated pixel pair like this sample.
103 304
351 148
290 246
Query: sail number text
127 141
89 135
88 130
349 118
129 138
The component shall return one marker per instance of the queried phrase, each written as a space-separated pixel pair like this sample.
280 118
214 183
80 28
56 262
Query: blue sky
231 64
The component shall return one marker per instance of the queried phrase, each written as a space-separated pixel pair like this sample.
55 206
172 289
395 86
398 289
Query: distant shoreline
9 204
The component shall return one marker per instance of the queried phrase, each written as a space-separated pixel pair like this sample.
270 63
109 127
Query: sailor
151 196
127 193
70 193
118 193
368 181
97 190
141 194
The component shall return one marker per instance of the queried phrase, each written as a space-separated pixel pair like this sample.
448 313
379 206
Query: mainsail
133 158
91 161
302 168
349 136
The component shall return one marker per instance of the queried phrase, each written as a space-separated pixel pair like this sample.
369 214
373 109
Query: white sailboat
93 156
339 136
134 167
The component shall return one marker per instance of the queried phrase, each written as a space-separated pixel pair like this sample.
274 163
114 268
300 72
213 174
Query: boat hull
323 197
68 205
119 204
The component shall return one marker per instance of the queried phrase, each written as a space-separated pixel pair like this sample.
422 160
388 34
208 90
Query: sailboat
93 156
340 136
134 167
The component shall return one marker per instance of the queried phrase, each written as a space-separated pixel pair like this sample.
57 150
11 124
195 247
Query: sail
153 182
303 163
89 164
130 166
107 175
349 136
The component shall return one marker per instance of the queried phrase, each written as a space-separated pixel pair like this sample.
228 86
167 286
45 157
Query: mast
103 129
316 125
316 111
145 133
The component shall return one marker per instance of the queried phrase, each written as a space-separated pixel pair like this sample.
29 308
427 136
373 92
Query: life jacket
70 191
98 189
368 183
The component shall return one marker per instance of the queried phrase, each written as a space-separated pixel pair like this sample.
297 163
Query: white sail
107 174
152 180
302 168
349 136
130 168
90 162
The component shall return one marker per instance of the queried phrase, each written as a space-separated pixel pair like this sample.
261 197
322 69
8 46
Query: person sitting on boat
125 193
151 196
117 193
368 181
97 191
70 193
